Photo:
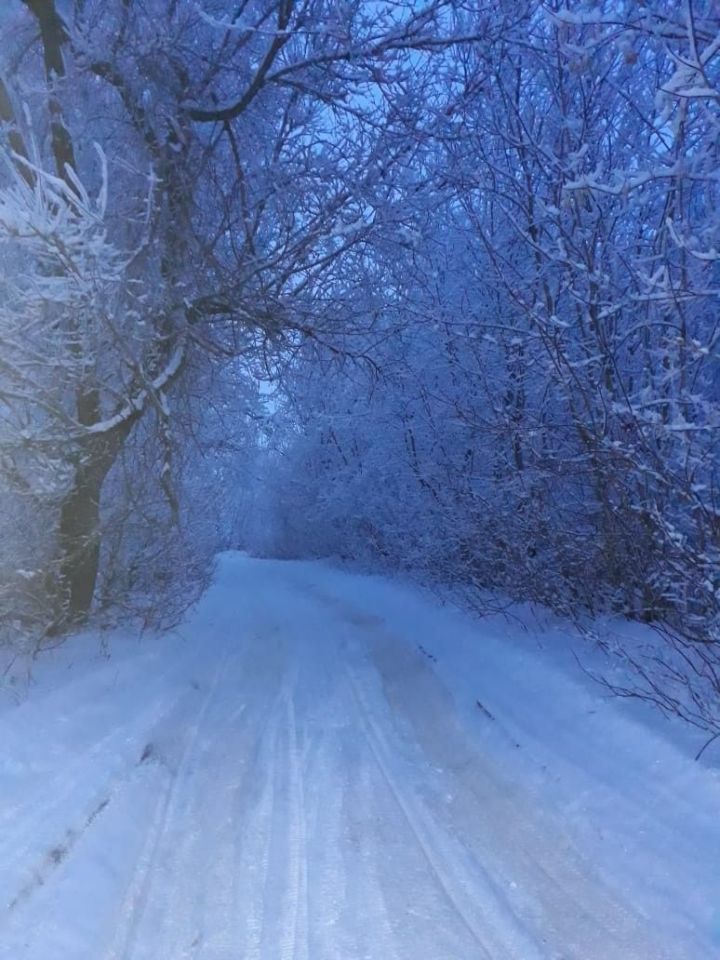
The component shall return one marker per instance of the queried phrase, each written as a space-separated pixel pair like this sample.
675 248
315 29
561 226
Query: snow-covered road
290 778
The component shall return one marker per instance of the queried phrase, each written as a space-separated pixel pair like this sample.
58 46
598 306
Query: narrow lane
309 794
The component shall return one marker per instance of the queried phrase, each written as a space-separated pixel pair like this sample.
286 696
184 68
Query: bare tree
245 162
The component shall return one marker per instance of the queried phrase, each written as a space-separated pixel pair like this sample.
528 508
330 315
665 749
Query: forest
425 287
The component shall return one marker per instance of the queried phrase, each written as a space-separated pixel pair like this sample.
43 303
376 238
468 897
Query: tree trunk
79 547
79 535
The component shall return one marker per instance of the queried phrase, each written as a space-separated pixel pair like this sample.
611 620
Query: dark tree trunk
79 535
79 547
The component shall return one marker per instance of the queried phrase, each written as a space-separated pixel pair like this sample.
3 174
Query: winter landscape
359 480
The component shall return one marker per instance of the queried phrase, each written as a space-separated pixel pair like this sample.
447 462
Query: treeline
538 411
177 187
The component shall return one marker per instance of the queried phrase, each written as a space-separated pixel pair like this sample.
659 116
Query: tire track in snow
555 890
294 944
190 891
82 795
361 863
281 928
253 860
269 884
217 855
447 857
136 898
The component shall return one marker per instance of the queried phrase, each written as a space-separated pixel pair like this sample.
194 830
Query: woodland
430 288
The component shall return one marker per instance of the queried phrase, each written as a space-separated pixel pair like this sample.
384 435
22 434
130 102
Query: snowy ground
319 766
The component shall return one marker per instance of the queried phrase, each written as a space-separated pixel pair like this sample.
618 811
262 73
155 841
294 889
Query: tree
547 403
247 160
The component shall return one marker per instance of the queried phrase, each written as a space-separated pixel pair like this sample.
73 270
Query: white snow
322 766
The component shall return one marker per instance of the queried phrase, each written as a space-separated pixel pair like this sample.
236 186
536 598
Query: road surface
288 780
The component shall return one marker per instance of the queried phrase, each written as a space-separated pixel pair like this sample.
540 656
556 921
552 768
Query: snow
136 403
321 765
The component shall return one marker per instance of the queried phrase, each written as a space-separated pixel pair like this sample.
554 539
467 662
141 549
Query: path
295 788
